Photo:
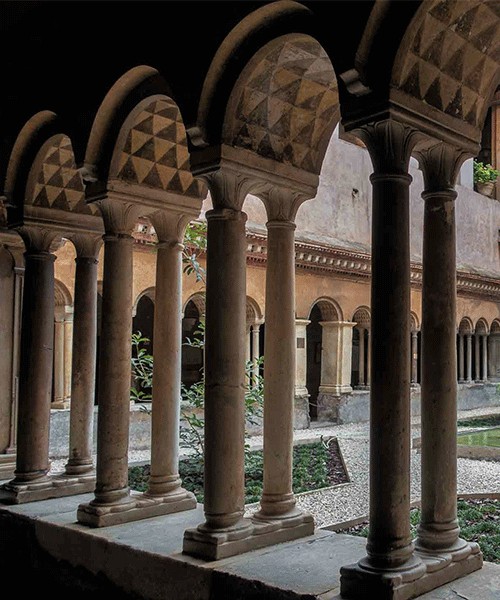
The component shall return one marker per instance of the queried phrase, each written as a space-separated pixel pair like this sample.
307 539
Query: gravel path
349 501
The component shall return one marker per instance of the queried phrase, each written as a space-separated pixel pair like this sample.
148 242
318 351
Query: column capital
170 226
228 187
282 204
225 214
119 216
302 322
390 144
38 240
87 246
440 165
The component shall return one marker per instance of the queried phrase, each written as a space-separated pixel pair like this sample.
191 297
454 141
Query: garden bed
315 466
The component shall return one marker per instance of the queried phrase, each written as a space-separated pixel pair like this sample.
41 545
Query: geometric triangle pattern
59 183
155 153
287 104
454 54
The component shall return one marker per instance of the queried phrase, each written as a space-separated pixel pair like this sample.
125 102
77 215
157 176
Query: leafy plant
142 369
195 243
484 173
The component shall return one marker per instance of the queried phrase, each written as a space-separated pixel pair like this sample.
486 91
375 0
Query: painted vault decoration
59 183
287 104
452 57
155 153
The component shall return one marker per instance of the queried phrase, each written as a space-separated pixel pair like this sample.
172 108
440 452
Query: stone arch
414 323
251 33
466 327
329 309
254 314
481 327
285 105
149 292
495 327
151 149
130 89
362 317
198 299
449 59
62 296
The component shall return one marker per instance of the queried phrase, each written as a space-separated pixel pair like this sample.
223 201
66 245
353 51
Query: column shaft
68 354
255 352
16 346
368 358
279 371
58 345
439 526
477 358
361 356
414 357
225 324
114 372
469 358
485 358
461 358
167 372
83 366
389 541
35 380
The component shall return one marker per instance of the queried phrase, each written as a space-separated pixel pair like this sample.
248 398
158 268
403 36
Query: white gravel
349 501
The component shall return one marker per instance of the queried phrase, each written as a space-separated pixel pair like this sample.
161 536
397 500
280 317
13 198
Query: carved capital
281 203
38 240
119 217
170 225
390 145
440 166
86 245
228 188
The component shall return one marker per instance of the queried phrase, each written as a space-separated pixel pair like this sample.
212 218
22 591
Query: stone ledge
55 486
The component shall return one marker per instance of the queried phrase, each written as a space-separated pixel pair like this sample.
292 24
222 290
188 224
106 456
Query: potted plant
485 177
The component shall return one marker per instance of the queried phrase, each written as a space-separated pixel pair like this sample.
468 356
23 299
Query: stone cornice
345 264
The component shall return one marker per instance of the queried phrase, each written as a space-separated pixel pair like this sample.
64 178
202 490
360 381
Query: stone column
225 326
248 343
477 358
438 532
165 482
112 491
35 380
7 301
362 360
368 359
461 358
68 353
485 358
389 548
301 417
469 358
255 352
414 357
83 355
16 347
278 500
58 345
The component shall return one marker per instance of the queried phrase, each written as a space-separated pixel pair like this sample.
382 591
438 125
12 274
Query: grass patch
491 421
479 522
315 466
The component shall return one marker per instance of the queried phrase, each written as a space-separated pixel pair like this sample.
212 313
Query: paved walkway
349 501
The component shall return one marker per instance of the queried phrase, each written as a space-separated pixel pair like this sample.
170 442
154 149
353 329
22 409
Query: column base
423 573
301 418
54 486
60 404
328 406
140 507
7 466
250 535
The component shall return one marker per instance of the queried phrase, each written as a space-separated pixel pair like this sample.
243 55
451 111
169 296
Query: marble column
164 481
225 350
301 417
7 302
35 380
414 357
83 355
438 533
461 358
68 354
112 492
477 357
389 549
485 358
368 358
255 352
58 345
248 343
469 358
362 360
